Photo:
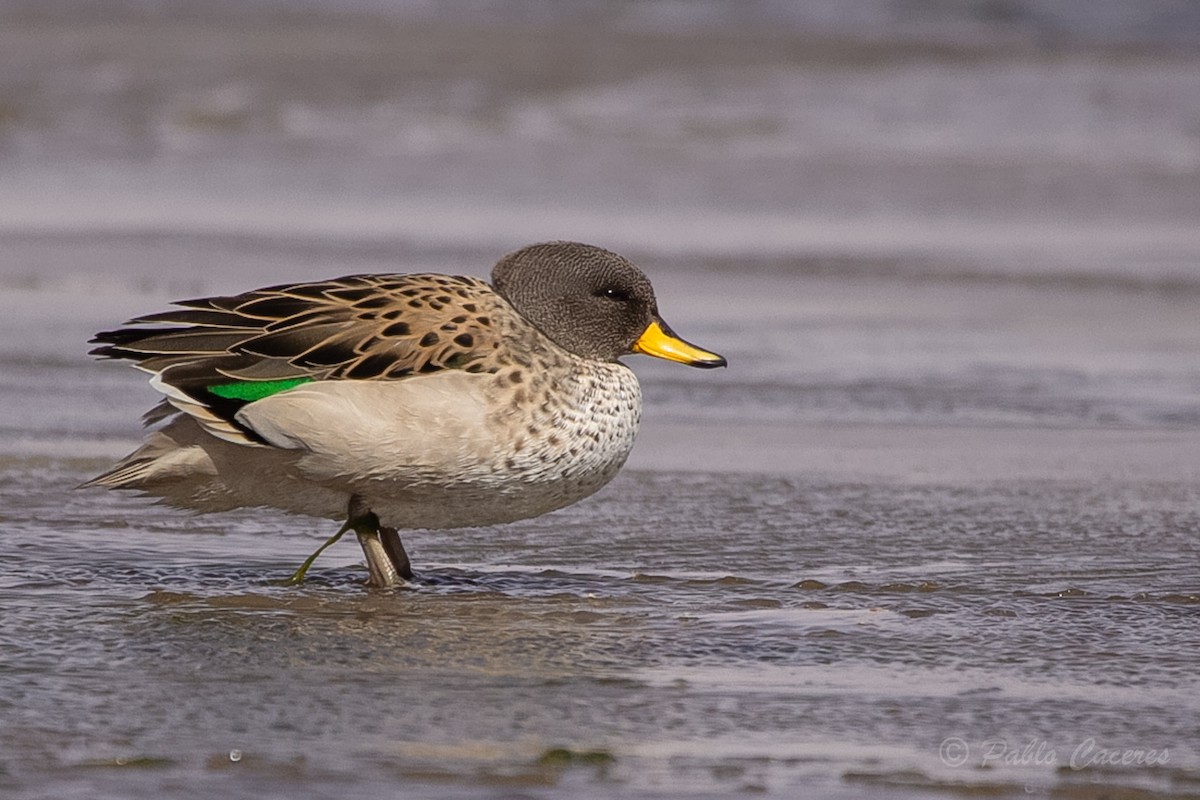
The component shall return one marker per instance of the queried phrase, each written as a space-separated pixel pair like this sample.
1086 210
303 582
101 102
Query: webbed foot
387 561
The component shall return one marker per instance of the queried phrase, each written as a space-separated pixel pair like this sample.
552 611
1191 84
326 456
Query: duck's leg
386 560
395 550
298 576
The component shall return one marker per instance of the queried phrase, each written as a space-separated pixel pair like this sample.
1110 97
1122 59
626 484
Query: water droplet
235 756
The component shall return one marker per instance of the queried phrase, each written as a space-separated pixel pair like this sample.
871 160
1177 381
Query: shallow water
684 633
934 533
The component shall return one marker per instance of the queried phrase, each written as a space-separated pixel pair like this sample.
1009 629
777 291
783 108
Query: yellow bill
660 341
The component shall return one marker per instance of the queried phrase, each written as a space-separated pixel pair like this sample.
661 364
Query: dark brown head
591 302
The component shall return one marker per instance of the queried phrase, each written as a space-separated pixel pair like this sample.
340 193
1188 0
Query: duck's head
591 302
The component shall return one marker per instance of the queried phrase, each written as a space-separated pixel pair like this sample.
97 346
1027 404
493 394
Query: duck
393 402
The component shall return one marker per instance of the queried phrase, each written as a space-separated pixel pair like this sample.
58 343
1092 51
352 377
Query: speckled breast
555 433
562 434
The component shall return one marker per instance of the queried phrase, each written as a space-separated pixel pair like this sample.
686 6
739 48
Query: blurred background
1007 136
983 210
948 489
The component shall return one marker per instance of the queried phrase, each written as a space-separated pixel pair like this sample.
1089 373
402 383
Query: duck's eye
613 293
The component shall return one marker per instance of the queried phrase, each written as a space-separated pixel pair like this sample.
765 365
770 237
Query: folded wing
213 356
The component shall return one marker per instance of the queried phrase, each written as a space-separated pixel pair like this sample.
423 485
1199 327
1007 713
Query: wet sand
813 574
920 455
934 533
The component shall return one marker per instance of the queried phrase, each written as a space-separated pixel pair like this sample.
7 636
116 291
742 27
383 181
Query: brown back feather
361 327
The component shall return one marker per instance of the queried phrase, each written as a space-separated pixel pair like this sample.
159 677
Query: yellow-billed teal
399 401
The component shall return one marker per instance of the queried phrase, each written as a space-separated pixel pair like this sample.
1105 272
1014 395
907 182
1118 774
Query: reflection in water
727 654
945 500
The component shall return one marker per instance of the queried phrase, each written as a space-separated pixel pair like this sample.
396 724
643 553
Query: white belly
547 452
451 450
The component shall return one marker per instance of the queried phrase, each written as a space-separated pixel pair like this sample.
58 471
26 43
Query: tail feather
160 461
128 474
184 465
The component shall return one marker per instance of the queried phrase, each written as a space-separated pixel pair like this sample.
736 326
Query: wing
212 356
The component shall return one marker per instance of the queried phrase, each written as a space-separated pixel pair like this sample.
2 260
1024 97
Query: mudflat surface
935 532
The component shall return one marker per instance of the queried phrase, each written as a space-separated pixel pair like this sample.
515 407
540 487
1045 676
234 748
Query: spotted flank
399 401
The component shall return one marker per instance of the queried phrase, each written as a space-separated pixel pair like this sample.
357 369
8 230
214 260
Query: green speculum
249 391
